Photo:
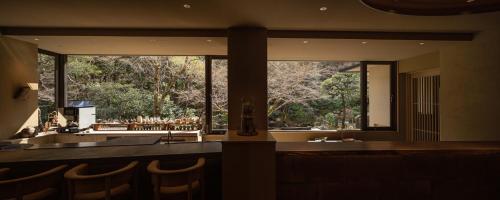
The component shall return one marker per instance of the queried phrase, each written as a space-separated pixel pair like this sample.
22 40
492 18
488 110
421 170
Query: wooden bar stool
178 181
3 172
38 186
82 185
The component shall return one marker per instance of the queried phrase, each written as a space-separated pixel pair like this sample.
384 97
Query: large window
314 95
302 95
219 94
46 86
168 88
379 95
331 95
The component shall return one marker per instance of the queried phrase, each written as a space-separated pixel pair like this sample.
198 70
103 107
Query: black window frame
61 94
364 95
208 94
60 76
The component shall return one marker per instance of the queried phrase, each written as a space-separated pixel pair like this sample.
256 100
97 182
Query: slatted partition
423 106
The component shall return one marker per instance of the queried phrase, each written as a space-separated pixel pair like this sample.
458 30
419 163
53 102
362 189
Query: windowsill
328 131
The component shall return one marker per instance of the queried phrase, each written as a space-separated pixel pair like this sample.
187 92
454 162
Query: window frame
364 96
60 76
208 94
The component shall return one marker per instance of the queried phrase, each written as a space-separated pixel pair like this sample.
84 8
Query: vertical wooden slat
427 113
419 105
436 90
423 109
431 113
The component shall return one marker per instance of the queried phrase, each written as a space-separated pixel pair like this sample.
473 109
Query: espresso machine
80 115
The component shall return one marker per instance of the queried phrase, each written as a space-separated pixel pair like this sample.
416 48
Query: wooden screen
424 107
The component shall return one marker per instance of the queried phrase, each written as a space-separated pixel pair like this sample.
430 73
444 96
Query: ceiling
348 15
434 8
278 48
272 14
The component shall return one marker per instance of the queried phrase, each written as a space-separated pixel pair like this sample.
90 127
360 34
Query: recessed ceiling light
187 5
36 39
305 42
470 1
364 42
421 43
209 40
324 8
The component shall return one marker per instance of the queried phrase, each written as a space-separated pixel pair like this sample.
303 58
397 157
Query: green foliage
344 89
118 101
123 87
301 93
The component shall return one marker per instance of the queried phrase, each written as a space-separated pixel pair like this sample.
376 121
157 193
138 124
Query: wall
418 63
470 89
379 95
18 64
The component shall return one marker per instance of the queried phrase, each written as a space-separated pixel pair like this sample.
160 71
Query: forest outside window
46 87
166 88
314 95
302 95
331 95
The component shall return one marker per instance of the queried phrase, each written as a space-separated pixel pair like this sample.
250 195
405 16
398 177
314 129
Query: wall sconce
23 91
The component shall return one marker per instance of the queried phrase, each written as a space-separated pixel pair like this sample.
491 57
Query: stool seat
115 191
179 189
82 186
39 186
177 181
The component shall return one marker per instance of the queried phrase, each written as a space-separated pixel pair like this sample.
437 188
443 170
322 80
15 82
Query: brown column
248 162
247 74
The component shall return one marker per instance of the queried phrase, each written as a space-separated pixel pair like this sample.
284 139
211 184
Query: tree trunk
343 111
156 97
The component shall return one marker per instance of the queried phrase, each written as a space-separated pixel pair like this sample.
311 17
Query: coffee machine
80 115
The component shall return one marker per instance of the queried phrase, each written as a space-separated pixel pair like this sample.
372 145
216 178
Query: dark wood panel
394 171
375 35
132 32
383 147
319 34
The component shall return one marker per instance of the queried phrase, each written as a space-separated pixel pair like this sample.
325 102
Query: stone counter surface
304 148
141 152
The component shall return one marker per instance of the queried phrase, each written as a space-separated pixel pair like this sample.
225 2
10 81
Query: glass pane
379 95
166 89
46 89
219 94
314 95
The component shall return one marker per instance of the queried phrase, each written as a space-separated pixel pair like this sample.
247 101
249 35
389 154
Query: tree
219 93
343 88
46 86
180 78
291 82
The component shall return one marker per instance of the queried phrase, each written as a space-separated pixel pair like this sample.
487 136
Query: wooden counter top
382 146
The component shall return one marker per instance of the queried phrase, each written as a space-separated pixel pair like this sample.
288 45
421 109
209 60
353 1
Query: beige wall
470 86
418 63
379 95
470 89
18 64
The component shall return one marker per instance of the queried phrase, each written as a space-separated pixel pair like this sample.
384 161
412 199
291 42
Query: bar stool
3 172
101 186
39 186
170 182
